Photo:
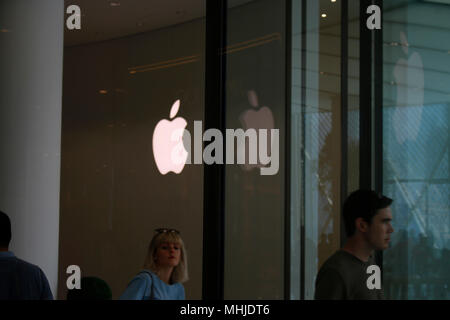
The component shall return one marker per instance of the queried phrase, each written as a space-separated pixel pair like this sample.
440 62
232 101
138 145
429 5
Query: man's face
379 231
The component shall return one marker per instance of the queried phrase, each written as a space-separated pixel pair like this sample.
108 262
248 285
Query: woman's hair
180 272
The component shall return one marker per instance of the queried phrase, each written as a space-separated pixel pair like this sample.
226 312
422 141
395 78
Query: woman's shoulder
142 276
147 271
146 274
137 288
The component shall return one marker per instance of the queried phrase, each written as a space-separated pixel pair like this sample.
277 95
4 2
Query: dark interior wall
112 195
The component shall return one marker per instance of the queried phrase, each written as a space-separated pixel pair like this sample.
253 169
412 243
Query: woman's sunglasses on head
166 230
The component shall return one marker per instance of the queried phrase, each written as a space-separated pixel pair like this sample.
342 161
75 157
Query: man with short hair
19 280
343 276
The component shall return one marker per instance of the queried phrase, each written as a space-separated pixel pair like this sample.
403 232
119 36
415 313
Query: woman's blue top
148 286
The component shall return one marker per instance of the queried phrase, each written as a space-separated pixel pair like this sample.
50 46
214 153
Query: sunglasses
166 230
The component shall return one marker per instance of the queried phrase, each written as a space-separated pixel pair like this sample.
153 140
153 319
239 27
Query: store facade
345 105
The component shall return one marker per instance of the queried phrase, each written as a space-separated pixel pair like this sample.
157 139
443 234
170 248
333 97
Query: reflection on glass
257 118
322 137
353 97
254 203
416 148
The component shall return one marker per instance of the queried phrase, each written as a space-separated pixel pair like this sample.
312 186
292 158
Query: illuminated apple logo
168 147
256 118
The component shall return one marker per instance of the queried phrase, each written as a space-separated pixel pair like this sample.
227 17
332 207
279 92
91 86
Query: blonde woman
165 269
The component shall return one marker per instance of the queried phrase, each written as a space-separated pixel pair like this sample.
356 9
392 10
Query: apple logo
168 147
410 83
255 118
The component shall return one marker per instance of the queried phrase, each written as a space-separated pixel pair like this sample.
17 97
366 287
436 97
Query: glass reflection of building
355 108
416 148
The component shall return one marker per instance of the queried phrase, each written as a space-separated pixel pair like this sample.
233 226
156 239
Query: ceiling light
114 4
333 0
324 15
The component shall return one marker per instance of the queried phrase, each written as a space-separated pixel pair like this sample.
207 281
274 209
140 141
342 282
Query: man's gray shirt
344 277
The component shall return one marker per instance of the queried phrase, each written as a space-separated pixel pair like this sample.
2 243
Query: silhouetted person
19 280
92 288
343 276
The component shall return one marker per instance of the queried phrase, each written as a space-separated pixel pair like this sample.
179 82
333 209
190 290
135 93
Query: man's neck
3 249
358 248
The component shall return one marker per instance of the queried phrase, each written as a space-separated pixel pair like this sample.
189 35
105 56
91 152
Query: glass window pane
353 97
416 111
255 99
123 72
322 114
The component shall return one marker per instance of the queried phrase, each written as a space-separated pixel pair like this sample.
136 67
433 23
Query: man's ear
361 225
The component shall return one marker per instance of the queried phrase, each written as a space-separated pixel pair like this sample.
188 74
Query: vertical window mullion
214 175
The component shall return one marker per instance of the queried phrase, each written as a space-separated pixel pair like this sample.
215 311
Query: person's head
166 250
92 288
5 230
367 215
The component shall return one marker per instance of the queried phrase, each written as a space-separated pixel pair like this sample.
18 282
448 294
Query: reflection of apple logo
410 83
168 148
255 118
